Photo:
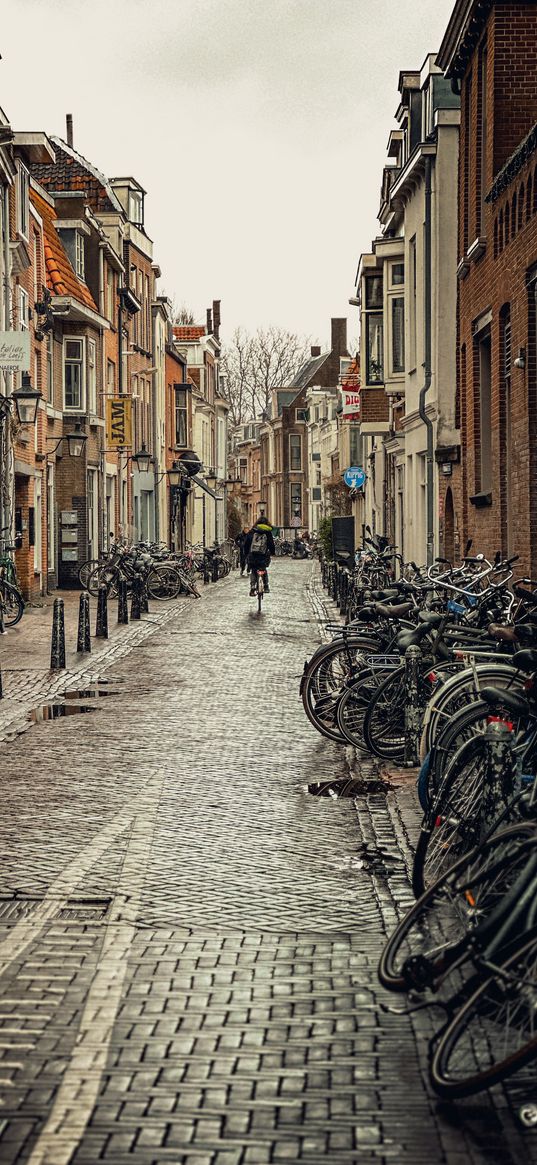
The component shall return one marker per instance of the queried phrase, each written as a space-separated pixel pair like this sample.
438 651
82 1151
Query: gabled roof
71 171
305 375
60 276
188 331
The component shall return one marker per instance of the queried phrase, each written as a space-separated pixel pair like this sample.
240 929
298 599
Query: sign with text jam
15 351
119 422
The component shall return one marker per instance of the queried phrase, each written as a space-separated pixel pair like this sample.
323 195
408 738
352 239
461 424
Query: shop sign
15 351
351 404
119 422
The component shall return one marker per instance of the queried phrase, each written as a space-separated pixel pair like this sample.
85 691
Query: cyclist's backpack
259 543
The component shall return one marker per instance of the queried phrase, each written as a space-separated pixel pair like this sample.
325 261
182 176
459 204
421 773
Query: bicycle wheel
323 684
12 603
353 704
425 944
86 570
494 1033
163 582
188 585
109 575
384 722
464 810
463 726
458 689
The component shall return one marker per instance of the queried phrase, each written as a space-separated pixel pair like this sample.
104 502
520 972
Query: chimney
209 322
339 337
69 128
216 317
315 350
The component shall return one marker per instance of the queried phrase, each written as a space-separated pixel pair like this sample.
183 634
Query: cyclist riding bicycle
258 548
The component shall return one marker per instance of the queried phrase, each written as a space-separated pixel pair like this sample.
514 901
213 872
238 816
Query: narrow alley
189 939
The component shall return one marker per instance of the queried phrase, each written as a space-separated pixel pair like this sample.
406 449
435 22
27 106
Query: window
374 342
136 207
398 333
295 452
355 451
79 255
485 417
316 493
110 296
23 203
23 309
73 374
92 376
110 376
243 465
301 414
373 291
397 273
180 415
296 500
481 160
50 368
412 301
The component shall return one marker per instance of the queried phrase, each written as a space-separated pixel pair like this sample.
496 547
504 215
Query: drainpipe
427 263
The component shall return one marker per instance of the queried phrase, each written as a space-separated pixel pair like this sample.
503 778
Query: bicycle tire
109 575
463 726
12 603
384 722
163 582
453 695
86 569
319 698
461 813
353 705
188 585
466 880
478 1009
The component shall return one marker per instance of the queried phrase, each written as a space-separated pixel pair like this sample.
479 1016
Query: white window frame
180 410
23 200
80 262
82 407
92 377
24 309
292 438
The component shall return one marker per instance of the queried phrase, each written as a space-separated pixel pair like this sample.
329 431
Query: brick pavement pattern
188 940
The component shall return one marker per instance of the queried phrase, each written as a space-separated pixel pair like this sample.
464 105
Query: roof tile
61 277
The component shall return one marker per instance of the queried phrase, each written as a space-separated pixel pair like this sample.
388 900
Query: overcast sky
257 127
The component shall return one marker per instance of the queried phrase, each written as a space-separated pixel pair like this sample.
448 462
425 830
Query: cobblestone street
188 939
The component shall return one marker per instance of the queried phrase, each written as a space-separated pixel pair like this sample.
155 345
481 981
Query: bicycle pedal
527 1115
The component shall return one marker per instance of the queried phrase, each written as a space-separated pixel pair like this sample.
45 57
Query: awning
203 485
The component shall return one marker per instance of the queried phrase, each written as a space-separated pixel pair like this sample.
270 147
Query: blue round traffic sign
354 477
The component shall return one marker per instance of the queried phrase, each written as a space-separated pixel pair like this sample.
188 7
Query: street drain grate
348 787
14 908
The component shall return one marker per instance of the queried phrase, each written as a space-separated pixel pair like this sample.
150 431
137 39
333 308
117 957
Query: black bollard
122 606
2 628
83 642
144 597
412 709
101 630
206 575
57 651
215 574
136 597
1 687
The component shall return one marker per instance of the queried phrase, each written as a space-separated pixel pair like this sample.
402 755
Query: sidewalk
25 652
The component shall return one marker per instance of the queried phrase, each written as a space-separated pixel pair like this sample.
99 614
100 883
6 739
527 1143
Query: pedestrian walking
241 543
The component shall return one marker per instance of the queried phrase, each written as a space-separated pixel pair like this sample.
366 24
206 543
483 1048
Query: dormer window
136 207
23 204
79 255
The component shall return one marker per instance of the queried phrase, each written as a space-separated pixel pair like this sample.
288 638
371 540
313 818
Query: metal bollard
1 686
57 651
2 627
122 605
101 629
144 601
205 570
215 575
83 642
412 709
136 597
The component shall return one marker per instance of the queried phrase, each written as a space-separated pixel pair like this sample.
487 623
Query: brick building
489 52
284 435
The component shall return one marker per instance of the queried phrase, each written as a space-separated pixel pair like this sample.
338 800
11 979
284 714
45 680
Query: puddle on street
347 787
56 711
90 693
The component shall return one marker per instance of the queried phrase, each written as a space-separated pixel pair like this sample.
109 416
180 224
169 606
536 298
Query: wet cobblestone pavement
188 939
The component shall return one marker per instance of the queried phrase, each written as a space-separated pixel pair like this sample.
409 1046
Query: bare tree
256 364
183 316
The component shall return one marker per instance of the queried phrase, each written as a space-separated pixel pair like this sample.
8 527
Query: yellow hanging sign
119 422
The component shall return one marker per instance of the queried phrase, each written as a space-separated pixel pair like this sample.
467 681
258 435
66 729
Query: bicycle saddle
511 701
412 638
394 610
382 596
502 634
525 660
431 617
